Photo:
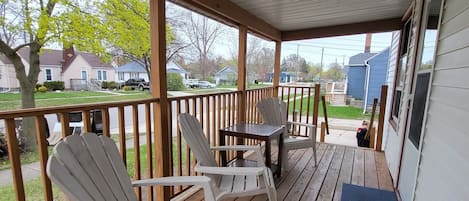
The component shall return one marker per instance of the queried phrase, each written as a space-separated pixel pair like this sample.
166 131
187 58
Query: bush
174 82
42 89
3 146
109 85
127 88
54 85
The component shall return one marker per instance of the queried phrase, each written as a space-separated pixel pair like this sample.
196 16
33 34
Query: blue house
285 77
366 74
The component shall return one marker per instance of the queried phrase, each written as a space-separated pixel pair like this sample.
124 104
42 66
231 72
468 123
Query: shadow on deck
337 164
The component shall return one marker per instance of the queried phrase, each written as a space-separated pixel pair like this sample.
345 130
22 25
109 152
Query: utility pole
322 57
297 60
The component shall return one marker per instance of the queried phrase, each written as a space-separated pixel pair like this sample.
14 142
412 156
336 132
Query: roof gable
225 70
359 59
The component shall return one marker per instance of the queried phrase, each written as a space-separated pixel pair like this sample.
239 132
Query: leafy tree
34 24
334 72
127 30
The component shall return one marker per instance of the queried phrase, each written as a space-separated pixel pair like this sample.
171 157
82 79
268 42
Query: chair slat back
88 167
273 111
195 138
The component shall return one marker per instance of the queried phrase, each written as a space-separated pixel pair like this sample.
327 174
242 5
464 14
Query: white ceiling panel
288 15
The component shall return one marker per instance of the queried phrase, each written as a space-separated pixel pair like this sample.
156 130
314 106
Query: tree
202 34
32 25
127 30
334 72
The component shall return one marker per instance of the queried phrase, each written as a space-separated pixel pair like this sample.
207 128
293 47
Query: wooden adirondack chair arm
173 181
231 170
302 124
256 148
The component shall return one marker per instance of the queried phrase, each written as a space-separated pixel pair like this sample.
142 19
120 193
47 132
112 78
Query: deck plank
336 165
371 175
329 185
384 177
312 189
345 174
358 171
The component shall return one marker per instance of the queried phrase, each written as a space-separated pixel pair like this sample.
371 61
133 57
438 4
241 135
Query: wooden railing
214 111
38 114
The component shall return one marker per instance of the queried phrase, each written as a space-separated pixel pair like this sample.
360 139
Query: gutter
367 82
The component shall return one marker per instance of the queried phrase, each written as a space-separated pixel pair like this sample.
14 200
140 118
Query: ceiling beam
227 11
345 29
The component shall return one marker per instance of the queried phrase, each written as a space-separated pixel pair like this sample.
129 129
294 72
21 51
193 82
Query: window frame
399 68
51 74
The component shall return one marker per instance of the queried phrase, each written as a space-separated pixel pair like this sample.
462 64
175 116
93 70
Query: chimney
67 56
368 43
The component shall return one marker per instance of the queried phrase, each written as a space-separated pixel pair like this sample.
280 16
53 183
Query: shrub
38 85
42 89
54 85
3 146
109 85
174 82
127 88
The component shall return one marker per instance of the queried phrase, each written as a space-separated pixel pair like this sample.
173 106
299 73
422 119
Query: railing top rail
296 86
200 95
67 108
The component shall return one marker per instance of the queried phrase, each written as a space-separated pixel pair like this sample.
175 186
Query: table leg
223 153
239 154
268 161
280 149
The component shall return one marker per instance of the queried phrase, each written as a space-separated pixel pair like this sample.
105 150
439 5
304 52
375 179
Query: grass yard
26 158
11 101
340 112
206 91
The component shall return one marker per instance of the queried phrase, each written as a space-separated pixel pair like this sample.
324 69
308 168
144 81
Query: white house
137 70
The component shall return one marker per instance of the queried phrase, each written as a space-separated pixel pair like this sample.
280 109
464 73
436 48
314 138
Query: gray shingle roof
359 59
131 67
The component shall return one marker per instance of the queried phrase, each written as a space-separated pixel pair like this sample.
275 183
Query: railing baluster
136 136
15 161
307 108
42 150
65 121
178 143
301 108
149 148
86 121
170 140
121 122
106 122
219 114
188 151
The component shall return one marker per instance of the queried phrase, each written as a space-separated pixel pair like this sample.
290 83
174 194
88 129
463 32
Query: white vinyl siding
444 164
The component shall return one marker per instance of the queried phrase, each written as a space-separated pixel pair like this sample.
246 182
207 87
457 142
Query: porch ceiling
288 15
284 20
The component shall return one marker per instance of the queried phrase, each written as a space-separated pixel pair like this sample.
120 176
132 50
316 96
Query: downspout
367 82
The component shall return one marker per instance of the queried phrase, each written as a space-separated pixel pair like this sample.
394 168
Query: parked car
136 83
206 84
191 83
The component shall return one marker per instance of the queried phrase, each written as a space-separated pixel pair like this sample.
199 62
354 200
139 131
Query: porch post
276 78
158 90
243 34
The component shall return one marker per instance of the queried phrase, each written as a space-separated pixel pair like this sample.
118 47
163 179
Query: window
401 69
102 75
48 75
120 75
84 75
133 75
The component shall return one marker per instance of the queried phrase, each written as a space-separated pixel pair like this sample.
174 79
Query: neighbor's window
120 75
102 75
400 74
48 74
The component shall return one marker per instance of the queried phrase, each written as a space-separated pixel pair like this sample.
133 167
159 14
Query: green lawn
26 158
206 91
341 112
10 101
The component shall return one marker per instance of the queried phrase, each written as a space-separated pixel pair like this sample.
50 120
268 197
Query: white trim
367 82
51 74
87 75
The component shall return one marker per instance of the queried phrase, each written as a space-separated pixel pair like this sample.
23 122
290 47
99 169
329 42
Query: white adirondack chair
274 112
89 167
228 181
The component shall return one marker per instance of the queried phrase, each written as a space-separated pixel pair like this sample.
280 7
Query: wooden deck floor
337 164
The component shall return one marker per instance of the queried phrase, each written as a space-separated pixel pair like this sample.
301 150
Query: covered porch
168 155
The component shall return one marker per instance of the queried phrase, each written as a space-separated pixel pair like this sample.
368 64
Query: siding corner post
382 111
158 90
276 78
